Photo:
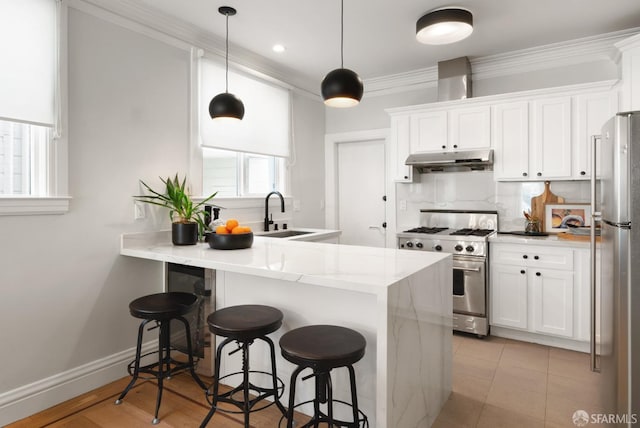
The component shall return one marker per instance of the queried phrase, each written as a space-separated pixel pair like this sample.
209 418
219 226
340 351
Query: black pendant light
342 87
226 105
442 26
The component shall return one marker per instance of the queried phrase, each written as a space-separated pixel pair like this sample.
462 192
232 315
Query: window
32 152
248 157
23 158
233 173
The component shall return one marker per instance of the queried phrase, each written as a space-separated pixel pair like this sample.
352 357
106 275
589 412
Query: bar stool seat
160 309
323 348
243 325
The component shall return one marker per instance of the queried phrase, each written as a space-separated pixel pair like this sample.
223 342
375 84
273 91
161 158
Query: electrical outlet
138 210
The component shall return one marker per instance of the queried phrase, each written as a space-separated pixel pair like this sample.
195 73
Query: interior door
361 193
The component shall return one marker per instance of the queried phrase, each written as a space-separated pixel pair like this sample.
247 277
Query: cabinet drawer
532 256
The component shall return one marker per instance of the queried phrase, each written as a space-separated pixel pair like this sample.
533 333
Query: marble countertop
551 240
349 267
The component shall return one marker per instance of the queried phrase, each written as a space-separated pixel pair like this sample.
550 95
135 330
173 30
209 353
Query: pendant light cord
341 33
226 74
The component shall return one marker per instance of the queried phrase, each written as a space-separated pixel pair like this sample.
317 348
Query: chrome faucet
267 220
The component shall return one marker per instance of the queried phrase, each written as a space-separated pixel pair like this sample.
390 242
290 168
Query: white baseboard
540 339
40 395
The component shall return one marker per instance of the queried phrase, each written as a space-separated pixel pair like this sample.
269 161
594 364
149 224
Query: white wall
65 288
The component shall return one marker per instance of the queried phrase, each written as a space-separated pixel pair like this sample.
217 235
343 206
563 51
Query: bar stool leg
329 387
292 395
190 353
136 369
354 397
274 376
245 383
162 343
216 376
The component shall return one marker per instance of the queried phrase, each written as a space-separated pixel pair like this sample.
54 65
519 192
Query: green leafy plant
181 207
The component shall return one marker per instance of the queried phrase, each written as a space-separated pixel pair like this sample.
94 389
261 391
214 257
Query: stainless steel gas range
465 234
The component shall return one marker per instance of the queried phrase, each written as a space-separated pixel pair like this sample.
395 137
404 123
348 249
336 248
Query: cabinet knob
583 173
406 177
455 146
524 174
536 257
525 257
539 174
444 147
538 274
522 271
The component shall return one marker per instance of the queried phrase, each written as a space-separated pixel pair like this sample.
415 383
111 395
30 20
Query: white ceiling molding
555 55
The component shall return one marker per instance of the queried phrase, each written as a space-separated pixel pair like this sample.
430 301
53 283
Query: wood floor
183 405
496 383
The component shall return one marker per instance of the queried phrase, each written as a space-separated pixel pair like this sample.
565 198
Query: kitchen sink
284 233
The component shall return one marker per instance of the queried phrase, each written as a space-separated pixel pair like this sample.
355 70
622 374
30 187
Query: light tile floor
505 383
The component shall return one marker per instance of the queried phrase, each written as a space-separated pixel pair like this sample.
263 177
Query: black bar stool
322 348
161 308
243 324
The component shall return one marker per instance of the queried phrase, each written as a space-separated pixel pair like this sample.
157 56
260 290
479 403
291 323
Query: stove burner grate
472 232
427 230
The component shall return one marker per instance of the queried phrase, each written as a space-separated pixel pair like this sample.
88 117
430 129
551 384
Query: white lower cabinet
552 301
540 291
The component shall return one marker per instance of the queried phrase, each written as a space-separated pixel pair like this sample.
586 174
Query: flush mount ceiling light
342 87
442 26
226 105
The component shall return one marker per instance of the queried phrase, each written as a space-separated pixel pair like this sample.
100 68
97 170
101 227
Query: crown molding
604 47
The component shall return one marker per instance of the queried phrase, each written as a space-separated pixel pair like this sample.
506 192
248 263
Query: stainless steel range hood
471 160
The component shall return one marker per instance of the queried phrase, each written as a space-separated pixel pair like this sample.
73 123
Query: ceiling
380 34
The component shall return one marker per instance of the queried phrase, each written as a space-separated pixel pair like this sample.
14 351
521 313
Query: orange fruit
240 230
232 223
222 230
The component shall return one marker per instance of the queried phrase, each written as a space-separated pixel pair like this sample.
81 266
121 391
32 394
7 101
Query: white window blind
28 55
265 128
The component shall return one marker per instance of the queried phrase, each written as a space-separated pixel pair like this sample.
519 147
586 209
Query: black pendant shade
226 105
342 88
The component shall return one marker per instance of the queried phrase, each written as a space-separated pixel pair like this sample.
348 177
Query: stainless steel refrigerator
615 304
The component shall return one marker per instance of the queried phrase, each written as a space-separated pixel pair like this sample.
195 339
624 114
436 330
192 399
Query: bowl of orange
231 236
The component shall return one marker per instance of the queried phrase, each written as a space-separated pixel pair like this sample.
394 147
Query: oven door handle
467 269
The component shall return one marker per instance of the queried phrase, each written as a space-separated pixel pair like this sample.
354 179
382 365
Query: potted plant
187 217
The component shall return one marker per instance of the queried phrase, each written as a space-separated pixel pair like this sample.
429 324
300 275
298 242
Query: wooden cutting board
538 203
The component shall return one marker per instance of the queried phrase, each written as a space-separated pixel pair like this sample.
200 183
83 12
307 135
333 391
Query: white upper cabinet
470 128
400 149
550 144
428 131
548 138
592 111
510 123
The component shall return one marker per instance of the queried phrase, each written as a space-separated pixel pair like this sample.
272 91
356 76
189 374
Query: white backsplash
476 190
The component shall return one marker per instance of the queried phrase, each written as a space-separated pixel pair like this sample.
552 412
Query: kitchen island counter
399 300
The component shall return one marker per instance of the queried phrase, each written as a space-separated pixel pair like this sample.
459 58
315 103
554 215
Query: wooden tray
538 203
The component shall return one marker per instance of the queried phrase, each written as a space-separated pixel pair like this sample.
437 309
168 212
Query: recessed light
278 48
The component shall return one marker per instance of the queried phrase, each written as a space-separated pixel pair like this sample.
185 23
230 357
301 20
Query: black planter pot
184 233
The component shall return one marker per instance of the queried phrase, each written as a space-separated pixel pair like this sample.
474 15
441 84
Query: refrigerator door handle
595 217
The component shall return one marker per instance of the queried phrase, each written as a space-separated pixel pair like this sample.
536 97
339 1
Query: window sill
242 201
33 205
